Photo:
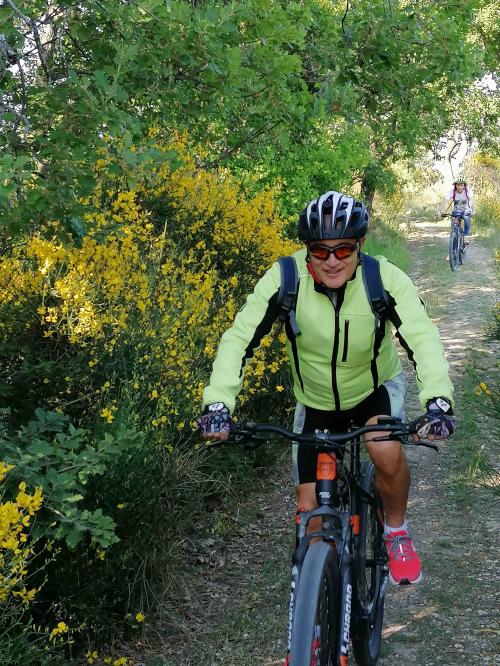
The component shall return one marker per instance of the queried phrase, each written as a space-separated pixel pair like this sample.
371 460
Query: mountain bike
339 573
457 247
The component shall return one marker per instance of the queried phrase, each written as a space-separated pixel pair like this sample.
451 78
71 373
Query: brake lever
248 438
429 445
420 442
403 438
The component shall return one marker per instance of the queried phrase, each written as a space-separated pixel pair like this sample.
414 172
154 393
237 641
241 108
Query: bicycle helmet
333 215
460 180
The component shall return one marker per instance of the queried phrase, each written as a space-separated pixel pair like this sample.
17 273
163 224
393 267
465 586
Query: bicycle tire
461 250
315 621
453 250
370 575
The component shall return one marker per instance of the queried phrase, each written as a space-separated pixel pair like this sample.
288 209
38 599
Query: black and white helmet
333 215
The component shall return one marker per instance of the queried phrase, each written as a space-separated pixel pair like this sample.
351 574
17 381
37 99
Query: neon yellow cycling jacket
332 361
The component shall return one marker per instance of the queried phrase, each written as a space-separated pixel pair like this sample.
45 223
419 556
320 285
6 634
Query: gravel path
451 617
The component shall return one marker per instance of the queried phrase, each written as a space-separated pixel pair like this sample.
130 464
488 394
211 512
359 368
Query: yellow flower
26 595
140 617
4 469
483 387
62 628
107 413
279 388
154 394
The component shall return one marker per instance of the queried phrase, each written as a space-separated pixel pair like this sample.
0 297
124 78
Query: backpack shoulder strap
288 291
379 303
377 295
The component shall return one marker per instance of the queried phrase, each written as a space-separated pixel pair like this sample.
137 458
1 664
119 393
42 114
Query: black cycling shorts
386 400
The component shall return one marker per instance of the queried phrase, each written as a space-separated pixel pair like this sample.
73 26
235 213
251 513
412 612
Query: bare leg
306 501
392 476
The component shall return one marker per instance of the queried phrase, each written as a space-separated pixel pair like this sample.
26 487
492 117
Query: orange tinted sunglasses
323 252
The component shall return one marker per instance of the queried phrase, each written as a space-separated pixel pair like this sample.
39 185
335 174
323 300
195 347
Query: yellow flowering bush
117 328
16 555
15 519
135 311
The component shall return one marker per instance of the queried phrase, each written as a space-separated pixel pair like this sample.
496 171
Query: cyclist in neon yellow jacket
341 374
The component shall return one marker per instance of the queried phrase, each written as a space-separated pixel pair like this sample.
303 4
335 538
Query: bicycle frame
457 220
342 533
456 230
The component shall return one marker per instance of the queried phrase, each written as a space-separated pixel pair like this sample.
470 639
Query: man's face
335 272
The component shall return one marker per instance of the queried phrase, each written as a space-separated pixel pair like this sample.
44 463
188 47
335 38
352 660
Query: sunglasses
323 252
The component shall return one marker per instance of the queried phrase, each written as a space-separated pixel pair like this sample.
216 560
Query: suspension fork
301 521
350 542
346 603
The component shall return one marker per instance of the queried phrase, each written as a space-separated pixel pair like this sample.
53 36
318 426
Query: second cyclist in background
461 199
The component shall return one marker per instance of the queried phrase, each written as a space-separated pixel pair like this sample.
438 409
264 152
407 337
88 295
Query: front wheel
370 573
461 249
453 250
315 619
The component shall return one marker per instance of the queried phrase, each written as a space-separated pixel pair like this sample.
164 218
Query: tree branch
32 24
247 139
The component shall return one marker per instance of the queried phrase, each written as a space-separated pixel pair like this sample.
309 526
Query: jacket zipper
336 306
346 341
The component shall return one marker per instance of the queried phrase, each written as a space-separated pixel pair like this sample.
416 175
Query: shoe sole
405 581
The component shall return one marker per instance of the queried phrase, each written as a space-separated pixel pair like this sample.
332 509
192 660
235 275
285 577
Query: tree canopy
248 81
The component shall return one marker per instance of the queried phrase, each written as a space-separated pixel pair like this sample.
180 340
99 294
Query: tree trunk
367 192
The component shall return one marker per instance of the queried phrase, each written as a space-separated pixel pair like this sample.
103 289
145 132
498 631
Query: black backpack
377 296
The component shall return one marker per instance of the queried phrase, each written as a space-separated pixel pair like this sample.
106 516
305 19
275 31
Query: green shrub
482 173
388 241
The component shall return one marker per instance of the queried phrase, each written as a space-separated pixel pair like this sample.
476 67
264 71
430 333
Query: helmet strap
311 269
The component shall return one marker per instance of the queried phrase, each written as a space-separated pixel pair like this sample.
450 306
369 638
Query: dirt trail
449 619
234 610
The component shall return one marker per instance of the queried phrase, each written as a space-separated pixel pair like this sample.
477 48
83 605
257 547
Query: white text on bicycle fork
295 573
344 648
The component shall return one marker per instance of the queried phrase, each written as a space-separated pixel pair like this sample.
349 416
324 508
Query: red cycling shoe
405 567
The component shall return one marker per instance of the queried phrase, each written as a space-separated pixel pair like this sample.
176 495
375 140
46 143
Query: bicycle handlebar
243 433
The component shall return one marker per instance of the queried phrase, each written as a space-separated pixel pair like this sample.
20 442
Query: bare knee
389 458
